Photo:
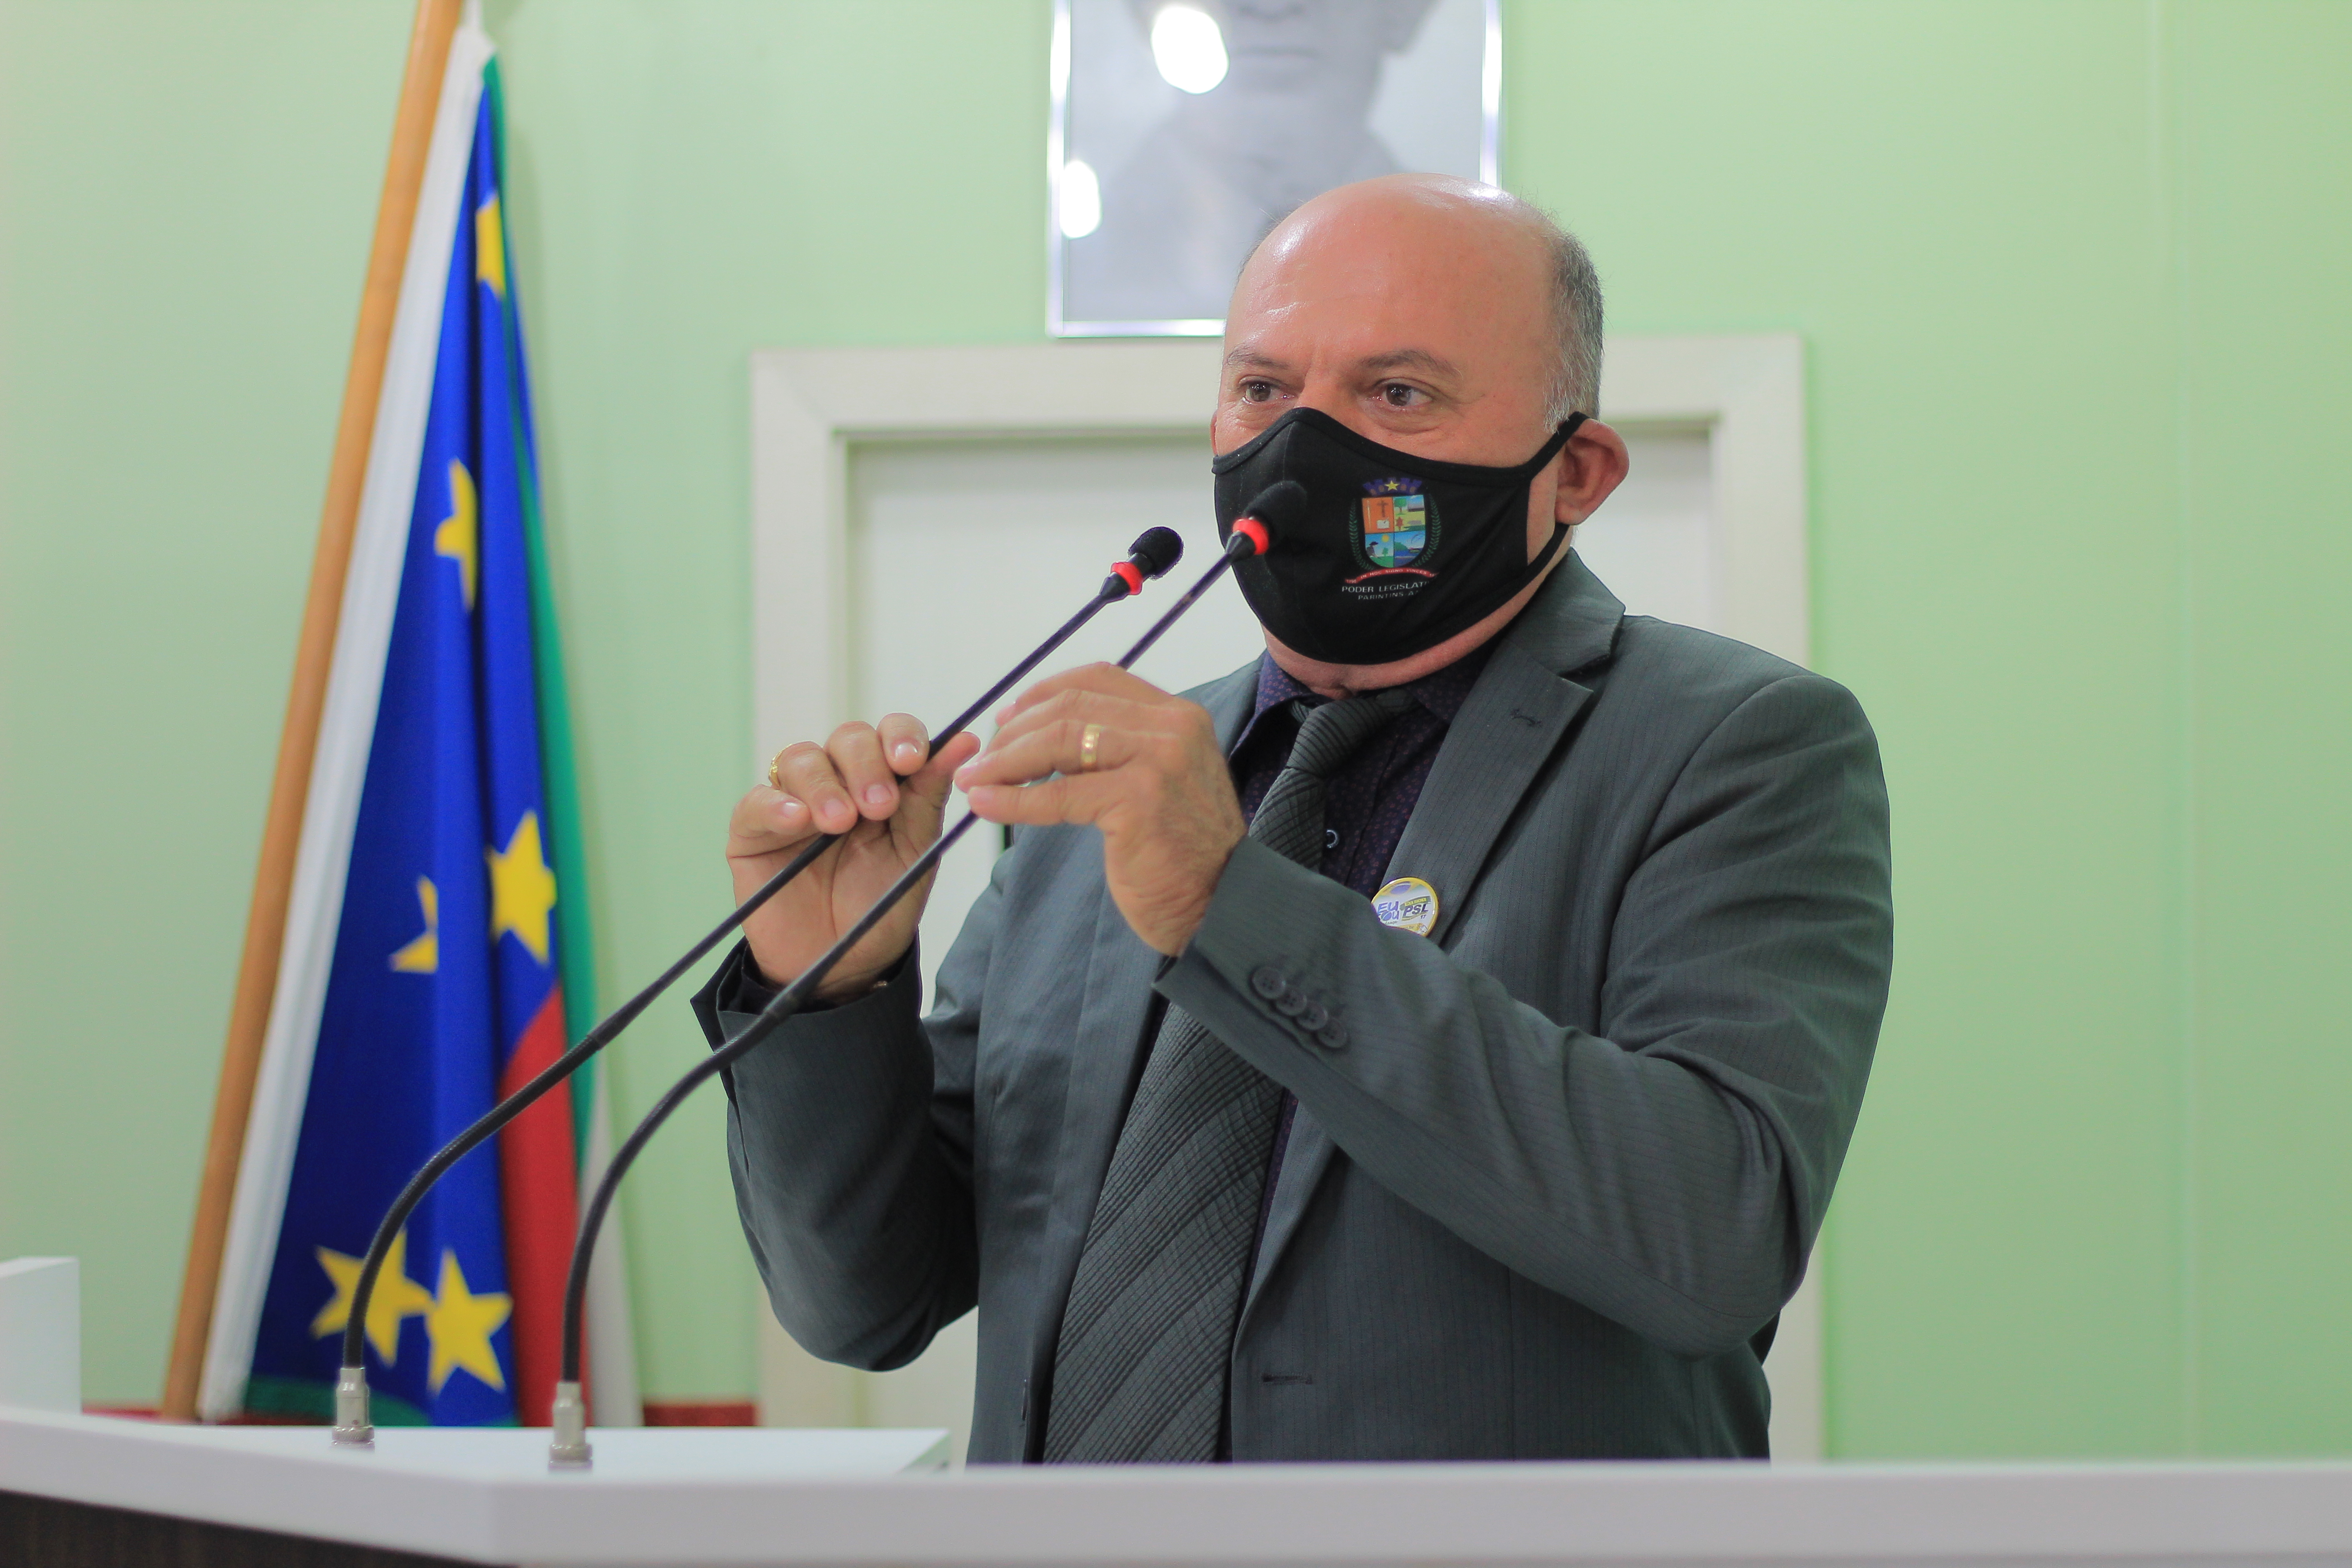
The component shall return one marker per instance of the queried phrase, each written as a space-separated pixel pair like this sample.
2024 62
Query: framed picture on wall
1183 129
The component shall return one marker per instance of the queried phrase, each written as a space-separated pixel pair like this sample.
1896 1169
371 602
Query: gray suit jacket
1547 1199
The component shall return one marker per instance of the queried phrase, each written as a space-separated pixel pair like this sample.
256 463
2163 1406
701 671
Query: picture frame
1182 131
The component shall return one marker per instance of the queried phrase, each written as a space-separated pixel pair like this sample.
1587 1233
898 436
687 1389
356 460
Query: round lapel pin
1407 904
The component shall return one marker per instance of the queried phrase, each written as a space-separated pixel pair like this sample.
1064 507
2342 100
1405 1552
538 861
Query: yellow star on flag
491 248
422 956
396 1297
460 1325
458 537
522 889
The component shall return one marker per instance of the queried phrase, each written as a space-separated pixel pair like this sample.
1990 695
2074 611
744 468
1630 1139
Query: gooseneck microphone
1280 505
569 1447
1154 552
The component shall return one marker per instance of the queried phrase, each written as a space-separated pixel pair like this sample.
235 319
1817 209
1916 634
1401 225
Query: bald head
1440 318
1453 242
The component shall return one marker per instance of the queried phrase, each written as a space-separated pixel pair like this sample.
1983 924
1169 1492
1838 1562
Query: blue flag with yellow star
443 973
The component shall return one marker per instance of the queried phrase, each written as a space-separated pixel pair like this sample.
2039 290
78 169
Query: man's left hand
1158 788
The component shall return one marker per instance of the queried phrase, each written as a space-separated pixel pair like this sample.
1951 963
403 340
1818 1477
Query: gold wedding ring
773 782
1089 743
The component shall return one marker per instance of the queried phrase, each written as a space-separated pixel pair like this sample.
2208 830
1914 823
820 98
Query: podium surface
749 1496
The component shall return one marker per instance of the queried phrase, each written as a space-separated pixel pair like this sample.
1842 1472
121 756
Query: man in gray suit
1437 1040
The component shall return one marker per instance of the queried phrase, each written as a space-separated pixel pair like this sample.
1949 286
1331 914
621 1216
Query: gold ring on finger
1089 746
773 782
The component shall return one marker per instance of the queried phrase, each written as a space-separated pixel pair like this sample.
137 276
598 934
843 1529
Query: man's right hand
883 789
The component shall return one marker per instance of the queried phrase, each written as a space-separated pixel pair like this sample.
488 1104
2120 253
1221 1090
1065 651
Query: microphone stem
794 998
621 1017
1235 548
1037 655
791 1000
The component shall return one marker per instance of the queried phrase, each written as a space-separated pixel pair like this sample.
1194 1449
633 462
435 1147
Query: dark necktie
1139 1370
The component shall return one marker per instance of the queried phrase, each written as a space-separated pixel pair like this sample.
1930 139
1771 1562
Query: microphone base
568 1447
353 1429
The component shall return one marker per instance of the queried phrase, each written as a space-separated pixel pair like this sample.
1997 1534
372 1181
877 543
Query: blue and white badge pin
1407 904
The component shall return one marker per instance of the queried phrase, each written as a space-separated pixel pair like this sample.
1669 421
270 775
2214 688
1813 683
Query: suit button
1269 983
1332 1036
1314 1017
1292 1002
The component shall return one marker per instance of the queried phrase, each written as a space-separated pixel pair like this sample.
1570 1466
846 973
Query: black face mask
1392 553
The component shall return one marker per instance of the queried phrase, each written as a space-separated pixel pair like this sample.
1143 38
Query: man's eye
1397 394
1256 391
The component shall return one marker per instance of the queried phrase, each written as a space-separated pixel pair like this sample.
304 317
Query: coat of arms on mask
1396 529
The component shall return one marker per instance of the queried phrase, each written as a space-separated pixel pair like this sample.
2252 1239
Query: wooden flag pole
289 787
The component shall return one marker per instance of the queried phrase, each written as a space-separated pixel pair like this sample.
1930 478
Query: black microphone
1154 552
568 1447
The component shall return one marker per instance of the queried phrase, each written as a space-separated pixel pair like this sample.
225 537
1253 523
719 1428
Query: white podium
767 1497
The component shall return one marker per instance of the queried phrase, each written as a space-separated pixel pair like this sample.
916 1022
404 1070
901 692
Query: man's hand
850 785
1160 790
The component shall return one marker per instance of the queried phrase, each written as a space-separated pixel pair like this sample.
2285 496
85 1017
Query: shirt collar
1441 692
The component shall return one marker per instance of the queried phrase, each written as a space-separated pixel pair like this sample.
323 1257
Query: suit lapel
1514 717
1103 1064
1108 1057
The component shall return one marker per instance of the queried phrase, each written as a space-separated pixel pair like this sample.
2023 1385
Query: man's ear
1591 464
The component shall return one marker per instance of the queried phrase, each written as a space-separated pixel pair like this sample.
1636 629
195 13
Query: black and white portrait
1183 129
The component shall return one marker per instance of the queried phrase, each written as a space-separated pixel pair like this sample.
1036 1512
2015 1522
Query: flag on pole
436 951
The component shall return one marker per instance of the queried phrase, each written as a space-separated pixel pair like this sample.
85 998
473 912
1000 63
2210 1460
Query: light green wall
2073 282
2071 275
2262 236
188 196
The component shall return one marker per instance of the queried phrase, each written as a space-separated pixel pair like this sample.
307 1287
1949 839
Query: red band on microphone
1253 530
1128 573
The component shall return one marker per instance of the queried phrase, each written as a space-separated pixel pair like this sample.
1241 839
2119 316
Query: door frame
809 406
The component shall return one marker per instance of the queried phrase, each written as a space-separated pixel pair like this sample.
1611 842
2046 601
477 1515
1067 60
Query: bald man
1437 1039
